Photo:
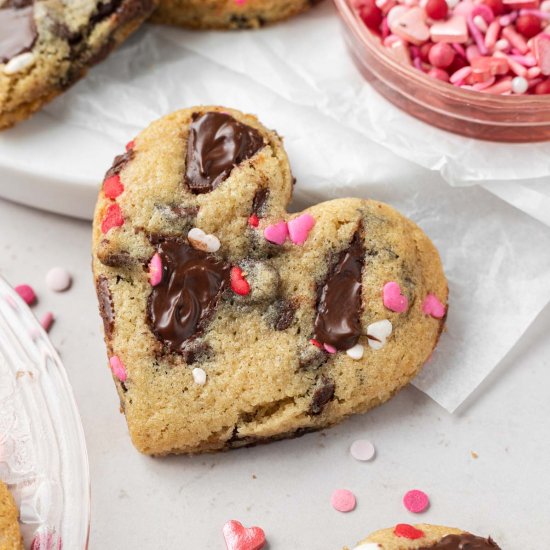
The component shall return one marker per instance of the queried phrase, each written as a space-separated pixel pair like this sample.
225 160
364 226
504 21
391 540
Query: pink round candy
440 74
416 501
441 55
343 500
47 321
27 294
58 279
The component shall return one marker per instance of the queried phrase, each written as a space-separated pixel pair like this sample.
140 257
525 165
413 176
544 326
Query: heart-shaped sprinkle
408 531
316 343
155 270
253 220
117 366
378 333
199 376
454 30
299 228
112 187
113 218
411 26
356 352
393 299
276 233
329 348
201 241
433 306
238 537
343 500
239 284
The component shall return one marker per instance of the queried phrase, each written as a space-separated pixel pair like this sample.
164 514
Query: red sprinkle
239 284
112 187
543 87
113 218
130 145
437 9
27 294
497 6
408 531
528 25
316 343
371 15
253 221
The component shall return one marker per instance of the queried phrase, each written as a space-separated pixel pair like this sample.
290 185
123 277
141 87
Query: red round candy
408 531
425 51
497 6
436 9
528 25
371 15
441 55
543 87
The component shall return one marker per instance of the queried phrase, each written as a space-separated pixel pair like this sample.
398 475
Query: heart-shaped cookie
276 319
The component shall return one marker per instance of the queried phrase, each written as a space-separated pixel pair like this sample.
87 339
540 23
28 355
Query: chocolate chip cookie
47 45
228 14
229 321
10 536
425 537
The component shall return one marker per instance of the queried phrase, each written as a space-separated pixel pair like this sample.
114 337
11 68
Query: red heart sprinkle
408 531
254 221
113 218
239 284
238 537
130 145
112 187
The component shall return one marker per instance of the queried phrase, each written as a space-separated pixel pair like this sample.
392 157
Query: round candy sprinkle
416 501
408 531
199 376
58 279
519 85
118 368
27 294
343 500
362 449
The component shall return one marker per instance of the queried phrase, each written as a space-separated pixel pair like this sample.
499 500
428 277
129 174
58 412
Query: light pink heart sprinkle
329 348
277 232
118 368
433 306
299 228
393 298
155 270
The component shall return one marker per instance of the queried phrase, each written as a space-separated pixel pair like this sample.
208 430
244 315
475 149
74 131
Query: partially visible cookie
47 45
228 14
10 535
424 537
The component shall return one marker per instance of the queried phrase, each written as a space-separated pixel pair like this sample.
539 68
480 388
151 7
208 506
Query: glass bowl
522 118
43 457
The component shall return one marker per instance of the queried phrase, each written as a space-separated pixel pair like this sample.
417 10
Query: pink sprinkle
525 60
47 321
508 19
155 270
491 36
501 87
478 86
329 348
461 74
299 228
433 306
459 49
343 500
416 501
515 39
533 72
362 450
27 294
118 368
240 2
393 299
537 13
276 233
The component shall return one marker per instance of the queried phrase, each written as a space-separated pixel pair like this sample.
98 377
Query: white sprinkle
199 239
19 63
519 85
58 279
378 333
356 352
362 449
199 376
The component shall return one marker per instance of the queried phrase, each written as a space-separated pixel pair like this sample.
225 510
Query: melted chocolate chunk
338 320
106 308
465 541
119 163
258 203
217 142
104 10
322 396
17 30
285 315
182 304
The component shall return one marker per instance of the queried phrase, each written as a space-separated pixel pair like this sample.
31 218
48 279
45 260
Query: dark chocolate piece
322 396
17 30
285 315
464 541
183 303
119 163
338 320
217 142
106 307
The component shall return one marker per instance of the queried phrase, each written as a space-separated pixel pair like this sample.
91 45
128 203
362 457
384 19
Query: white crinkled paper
343 139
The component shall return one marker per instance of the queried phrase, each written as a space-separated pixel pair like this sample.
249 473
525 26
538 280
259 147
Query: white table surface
182 503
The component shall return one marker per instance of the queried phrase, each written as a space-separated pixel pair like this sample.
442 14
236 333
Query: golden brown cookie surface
47 45
228 14
229 321
10 536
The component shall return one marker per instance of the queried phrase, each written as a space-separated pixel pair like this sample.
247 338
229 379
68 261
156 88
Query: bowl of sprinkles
480 68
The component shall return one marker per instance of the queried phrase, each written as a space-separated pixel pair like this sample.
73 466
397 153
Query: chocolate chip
104 10
106 307
118 259
119 163
259 201
197 351
322 395
285 312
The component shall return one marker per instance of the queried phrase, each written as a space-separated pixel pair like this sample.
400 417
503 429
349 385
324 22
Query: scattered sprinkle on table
474 454
27 294
416 501
362 449
343 500
58 279
47 321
